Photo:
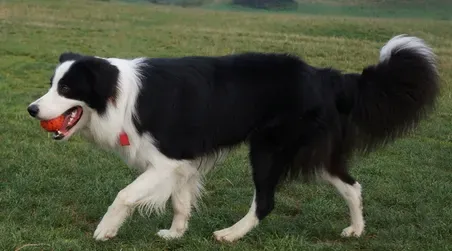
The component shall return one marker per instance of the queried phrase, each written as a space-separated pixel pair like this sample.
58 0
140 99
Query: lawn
52 195
431 9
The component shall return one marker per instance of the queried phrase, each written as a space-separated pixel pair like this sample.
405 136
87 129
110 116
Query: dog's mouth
71 118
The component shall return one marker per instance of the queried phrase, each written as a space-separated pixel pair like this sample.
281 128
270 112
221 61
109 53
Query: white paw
227 235
169 234
350 231
111 222
105 231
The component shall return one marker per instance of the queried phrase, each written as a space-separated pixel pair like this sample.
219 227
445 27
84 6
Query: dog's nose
33 110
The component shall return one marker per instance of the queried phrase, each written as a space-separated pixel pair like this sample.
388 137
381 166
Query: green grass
431 9
54 194
437 9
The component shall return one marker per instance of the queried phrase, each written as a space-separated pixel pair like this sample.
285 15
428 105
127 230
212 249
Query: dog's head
80 86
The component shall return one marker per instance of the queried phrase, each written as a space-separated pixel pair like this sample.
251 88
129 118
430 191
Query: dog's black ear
103 78
66 56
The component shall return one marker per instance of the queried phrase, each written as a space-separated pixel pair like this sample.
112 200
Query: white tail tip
404 42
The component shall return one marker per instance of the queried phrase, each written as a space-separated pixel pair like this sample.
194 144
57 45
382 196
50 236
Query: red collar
124 139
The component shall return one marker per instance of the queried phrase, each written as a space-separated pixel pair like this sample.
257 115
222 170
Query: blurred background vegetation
437 9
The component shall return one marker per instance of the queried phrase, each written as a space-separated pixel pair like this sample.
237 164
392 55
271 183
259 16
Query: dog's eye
64 89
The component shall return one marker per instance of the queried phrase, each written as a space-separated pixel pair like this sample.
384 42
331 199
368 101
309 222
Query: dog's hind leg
150 191
350 190
266 165
241 228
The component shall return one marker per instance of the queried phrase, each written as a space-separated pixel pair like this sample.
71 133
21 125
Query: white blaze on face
52 104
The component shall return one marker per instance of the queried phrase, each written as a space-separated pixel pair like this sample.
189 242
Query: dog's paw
105 232
169 234
227 235
352 231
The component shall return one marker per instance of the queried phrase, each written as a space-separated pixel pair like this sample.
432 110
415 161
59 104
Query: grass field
431 9
52 195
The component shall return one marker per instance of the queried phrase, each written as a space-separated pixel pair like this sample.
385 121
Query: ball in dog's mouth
71 118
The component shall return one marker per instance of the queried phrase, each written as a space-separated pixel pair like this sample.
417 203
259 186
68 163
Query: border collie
173 118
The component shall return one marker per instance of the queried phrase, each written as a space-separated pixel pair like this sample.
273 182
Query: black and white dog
173 118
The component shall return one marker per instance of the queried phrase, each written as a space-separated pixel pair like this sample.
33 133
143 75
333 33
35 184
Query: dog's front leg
183 199
151 189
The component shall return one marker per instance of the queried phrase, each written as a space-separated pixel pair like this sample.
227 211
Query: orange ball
53 125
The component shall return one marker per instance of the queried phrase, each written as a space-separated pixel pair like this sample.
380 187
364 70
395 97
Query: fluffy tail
394 95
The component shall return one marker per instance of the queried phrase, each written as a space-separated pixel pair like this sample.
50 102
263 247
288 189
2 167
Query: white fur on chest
105 129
